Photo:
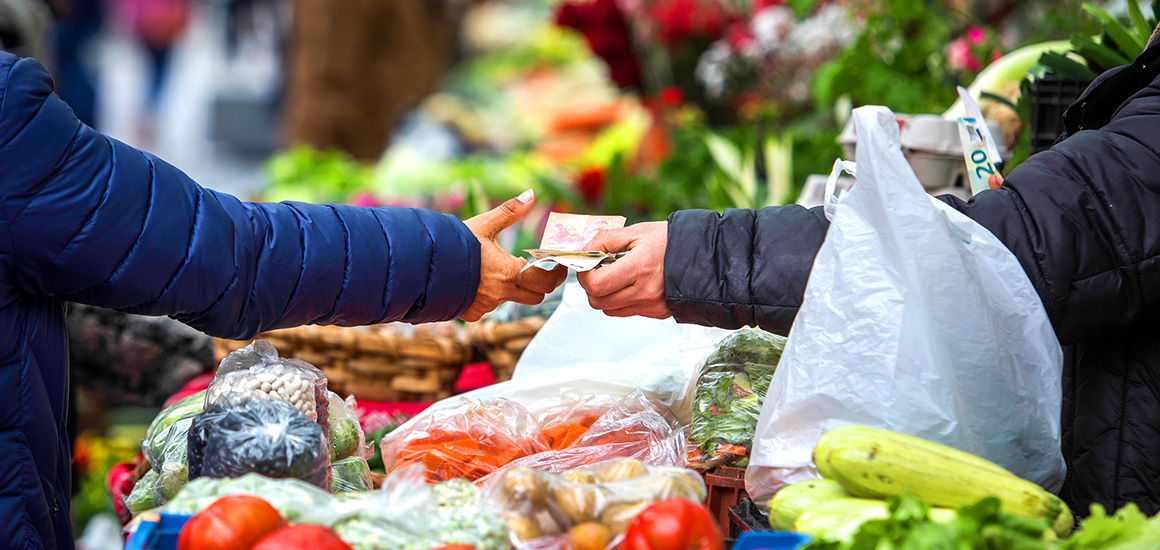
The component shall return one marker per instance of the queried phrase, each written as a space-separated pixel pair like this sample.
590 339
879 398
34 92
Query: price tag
980 165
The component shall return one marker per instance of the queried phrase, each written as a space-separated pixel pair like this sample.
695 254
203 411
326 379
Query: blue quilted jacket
88 219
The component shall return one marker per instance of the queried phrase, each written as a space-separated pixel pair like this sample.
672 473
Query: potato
578 502
589 536
618 517
620 470
524 485
579 476
523 527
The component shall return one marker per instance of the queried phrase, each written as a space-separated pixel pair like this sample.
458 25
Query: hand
500 278
995 181
634 284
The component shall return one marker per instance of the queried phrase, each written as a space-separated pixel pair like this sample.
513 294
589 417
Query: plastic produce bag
350 474
407 514
915 319
635 427
567 422
256 372
296 500
346 434
537 504
271 438
727 398
468 441
164 446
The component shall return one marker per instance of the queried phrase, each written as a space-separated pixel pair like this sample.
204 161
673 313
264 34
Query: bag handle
830 201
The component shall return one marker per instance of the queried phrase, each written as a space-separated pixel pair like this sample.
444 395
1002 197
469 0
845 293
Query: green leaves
910 526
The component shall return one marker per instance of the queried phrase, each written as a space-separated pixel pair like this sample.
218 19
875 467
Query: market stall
915 403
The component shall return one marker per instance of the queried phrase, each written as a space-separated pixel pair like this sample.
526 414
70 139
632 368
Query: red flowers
591 184
681 20
604 27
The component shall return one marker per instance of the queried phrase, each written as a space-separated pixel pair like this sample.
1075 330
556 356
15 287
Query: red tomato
230 523
302 537
673 524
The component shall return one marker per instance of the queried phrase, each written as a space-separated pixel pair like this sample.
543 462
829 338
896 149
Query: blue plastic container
770 540
157 532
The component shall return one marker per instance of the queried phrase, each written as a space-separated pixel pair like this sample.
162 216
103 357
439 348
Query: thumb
611 240
507 214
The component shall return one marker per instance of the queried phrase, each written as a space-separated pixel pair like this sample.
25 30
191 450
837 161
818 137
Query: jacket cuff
705 257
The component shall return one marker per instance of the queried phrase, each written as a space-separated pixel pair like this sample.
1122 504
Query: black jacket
1084 221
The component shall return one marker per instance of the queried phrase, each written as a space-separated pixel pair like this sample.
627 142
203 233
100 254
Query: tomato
230 523
673 524
302 537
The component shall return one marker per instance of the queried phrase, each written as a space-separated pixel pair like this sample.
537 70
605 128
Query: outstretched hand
500 278
634 284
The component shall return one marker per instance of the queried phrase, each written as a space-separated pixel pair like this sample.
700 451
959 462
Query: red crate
726 488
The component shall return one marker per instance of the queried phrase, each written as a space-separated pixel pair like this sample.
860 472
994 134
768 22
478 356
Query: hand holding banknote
501 278
635 283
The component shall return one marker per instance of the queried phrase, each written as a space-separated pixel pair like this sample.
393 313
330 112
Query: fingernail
526 196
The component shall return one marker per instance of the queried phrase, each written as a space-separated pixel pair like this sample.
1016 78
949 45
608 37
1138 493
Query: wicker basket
502 343
372 363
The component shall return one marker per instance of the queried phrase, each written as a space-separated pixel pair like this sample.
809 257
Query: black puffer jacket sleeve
1083 219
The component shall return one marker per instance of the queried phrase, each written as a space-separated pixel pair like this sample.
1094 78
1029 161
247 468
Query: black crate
1050 97
746 516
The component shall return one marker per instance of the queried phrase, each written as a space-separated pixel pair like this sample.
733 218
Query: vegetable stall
277 454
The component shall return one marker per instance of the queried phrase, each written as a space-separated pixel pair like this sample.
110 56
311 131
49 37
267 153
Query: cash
564 237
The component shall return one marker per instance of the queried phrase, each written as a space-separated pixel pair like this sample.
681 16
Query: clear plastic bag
296 500
468 441
566 423
408 514
635 427
727 398
256 372
347 438
164 446
536 504
271 438
350 474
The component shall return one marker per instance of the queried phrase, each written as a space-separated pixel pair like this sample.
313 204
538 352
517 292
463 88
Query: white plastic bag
918 320
581 349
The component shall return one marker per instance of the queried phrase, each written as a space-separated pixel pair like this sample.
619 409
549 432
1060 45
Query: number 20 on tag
980 167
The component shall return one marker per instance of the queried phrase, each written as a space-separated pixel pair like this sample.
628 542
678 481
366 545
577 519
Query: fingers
606 280
995 181
538 280
652 311
497 219
612 240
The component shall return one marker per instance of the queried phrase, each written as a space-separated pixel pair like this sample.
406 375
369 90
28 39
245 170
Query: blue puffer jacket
88 219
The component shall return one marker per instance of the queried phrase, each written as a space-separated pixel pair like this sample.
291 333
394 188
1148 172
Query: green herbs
728 396
978 526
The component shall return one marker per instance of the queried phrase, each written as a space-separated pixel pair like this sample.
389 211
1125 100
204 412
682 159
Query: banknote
570 232
564 238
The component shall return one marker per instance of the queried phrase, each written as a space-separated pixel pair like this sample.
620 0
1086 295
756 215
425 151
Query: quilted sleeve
743 267
95 221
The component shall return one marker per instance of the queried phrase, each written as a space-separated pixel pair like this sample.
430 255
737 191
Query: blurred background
629 107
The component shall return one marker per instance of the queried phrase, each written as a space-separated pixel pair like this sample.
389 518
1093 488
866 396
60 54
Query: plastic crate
771 540
157 532
1050 97
726 488
744 517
